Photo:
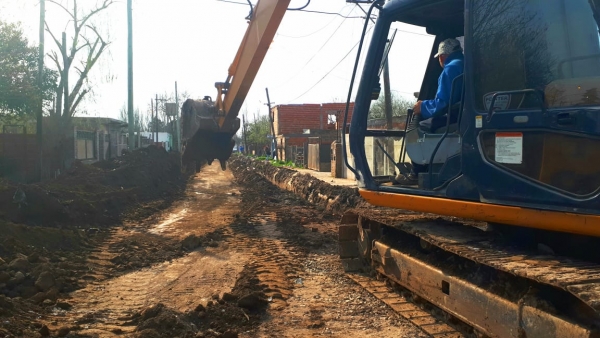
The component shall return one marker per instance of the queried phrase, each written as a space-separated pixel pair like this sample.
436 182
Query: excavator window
550 46
413 76
406 73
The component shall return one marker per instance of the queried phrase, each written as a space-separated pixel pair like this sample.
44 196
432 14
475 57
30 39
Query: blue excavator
501 225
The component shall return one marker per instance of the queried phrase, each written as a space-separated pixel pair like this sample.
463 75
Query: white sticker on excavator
478 121
509 148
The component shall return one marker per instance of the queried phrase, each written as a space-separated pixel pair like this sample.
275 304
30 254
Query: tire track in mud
274 261
175 259
234 237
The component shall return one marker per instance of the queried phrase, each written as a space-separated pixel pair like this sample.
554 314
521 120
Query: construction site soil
133 248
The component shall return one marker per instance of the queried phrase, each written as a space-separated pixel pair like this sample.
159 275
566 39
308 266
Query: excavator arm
266 17
208 127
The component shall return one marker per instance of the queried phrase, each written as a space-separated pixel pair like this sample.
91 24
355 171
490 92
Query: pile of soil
224 316
49 230
217 319
94 195
336 199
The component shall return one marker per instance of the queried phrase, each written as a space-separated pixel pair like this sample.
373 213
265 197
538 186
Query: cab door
534 76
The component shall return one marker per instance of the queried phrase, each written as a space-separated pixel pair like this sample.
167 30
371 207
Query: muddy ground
49 232
232 256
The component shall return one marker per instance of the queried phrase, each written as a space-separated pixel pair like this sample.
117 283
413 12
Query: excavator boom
266 17
208 127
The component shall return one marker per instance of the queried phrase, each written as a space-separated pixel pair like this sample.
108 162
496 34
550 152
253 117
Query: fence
18 157
296 155
319 157
319 153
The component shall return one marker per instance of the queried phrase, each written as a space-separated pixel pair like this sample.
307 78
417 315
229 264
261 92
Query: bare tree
137 118
79 55
86 37
164 121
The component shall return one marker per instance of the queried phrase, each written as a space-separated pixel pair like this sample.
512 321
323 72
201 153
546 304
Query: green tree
19 90
399 106
257 132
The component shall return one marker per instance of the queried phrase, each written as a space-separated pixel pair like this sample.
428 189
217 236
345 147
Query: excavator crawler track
497 289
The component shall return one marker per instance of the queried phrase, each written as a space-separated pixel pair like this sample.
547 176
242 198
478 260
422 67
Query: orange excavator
208 126
501 230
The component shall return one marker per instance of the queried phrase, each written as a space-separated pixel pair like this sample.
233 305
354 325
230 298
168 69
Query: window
86 145
548 45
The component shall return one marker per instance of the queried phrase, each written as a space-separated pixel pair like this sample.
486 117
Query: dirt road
235 256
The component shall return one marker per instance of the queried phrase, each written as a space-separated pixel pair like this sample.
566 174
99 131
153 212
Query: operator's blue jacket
454 67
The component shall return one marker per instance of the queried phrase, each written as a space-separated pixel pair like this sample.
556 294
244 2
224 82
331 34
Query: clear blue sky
194 42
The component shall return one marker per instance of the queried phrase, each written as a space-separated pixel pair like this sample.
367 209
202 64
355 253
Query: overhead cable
299 8
329 72
302 10
315 54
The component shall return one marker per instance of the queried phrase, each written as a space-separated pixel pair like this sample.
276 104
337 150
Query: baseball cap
448 46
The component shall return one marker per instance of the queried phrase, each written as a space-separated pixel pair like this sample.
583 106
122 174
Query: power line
313 33
315 54
301 10
332 13
329 72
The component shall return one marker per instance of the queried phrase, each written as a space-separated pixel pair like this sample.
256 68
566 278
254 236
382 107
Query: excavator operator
432 112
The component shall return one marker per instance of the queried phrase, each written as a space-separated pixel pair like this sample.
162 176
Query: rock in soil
255 301
228 297
191 242
45 281
44 331
64 305
20 264
63 331
159 321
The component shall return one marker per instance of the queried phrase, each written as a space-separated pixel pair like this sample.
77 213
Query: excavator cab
521 144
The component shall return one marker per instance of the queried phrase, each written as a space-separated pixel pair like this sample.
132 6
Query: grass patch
277 163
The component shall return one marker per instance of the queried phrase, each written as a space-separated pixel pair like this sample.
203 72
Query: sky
194 42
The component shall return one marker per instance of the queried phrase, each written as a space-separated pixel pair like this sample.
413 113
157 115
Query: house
164 139
98 138
298 126
94 139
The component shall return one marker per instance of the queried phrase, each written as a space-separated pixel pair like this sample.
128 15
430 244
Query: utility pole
156 121
272 119
178 120
244 130
156 107
130 76
66 75
40 112
152 118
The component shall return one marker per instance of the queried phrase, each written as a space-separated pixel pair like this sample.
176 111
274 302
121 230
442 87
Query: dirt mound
336 199
99 194
217 319
159 321
238 311
49 230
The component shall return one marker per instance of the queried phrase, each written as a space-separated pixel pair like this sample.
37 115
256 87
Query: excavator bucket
203 140
206 146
